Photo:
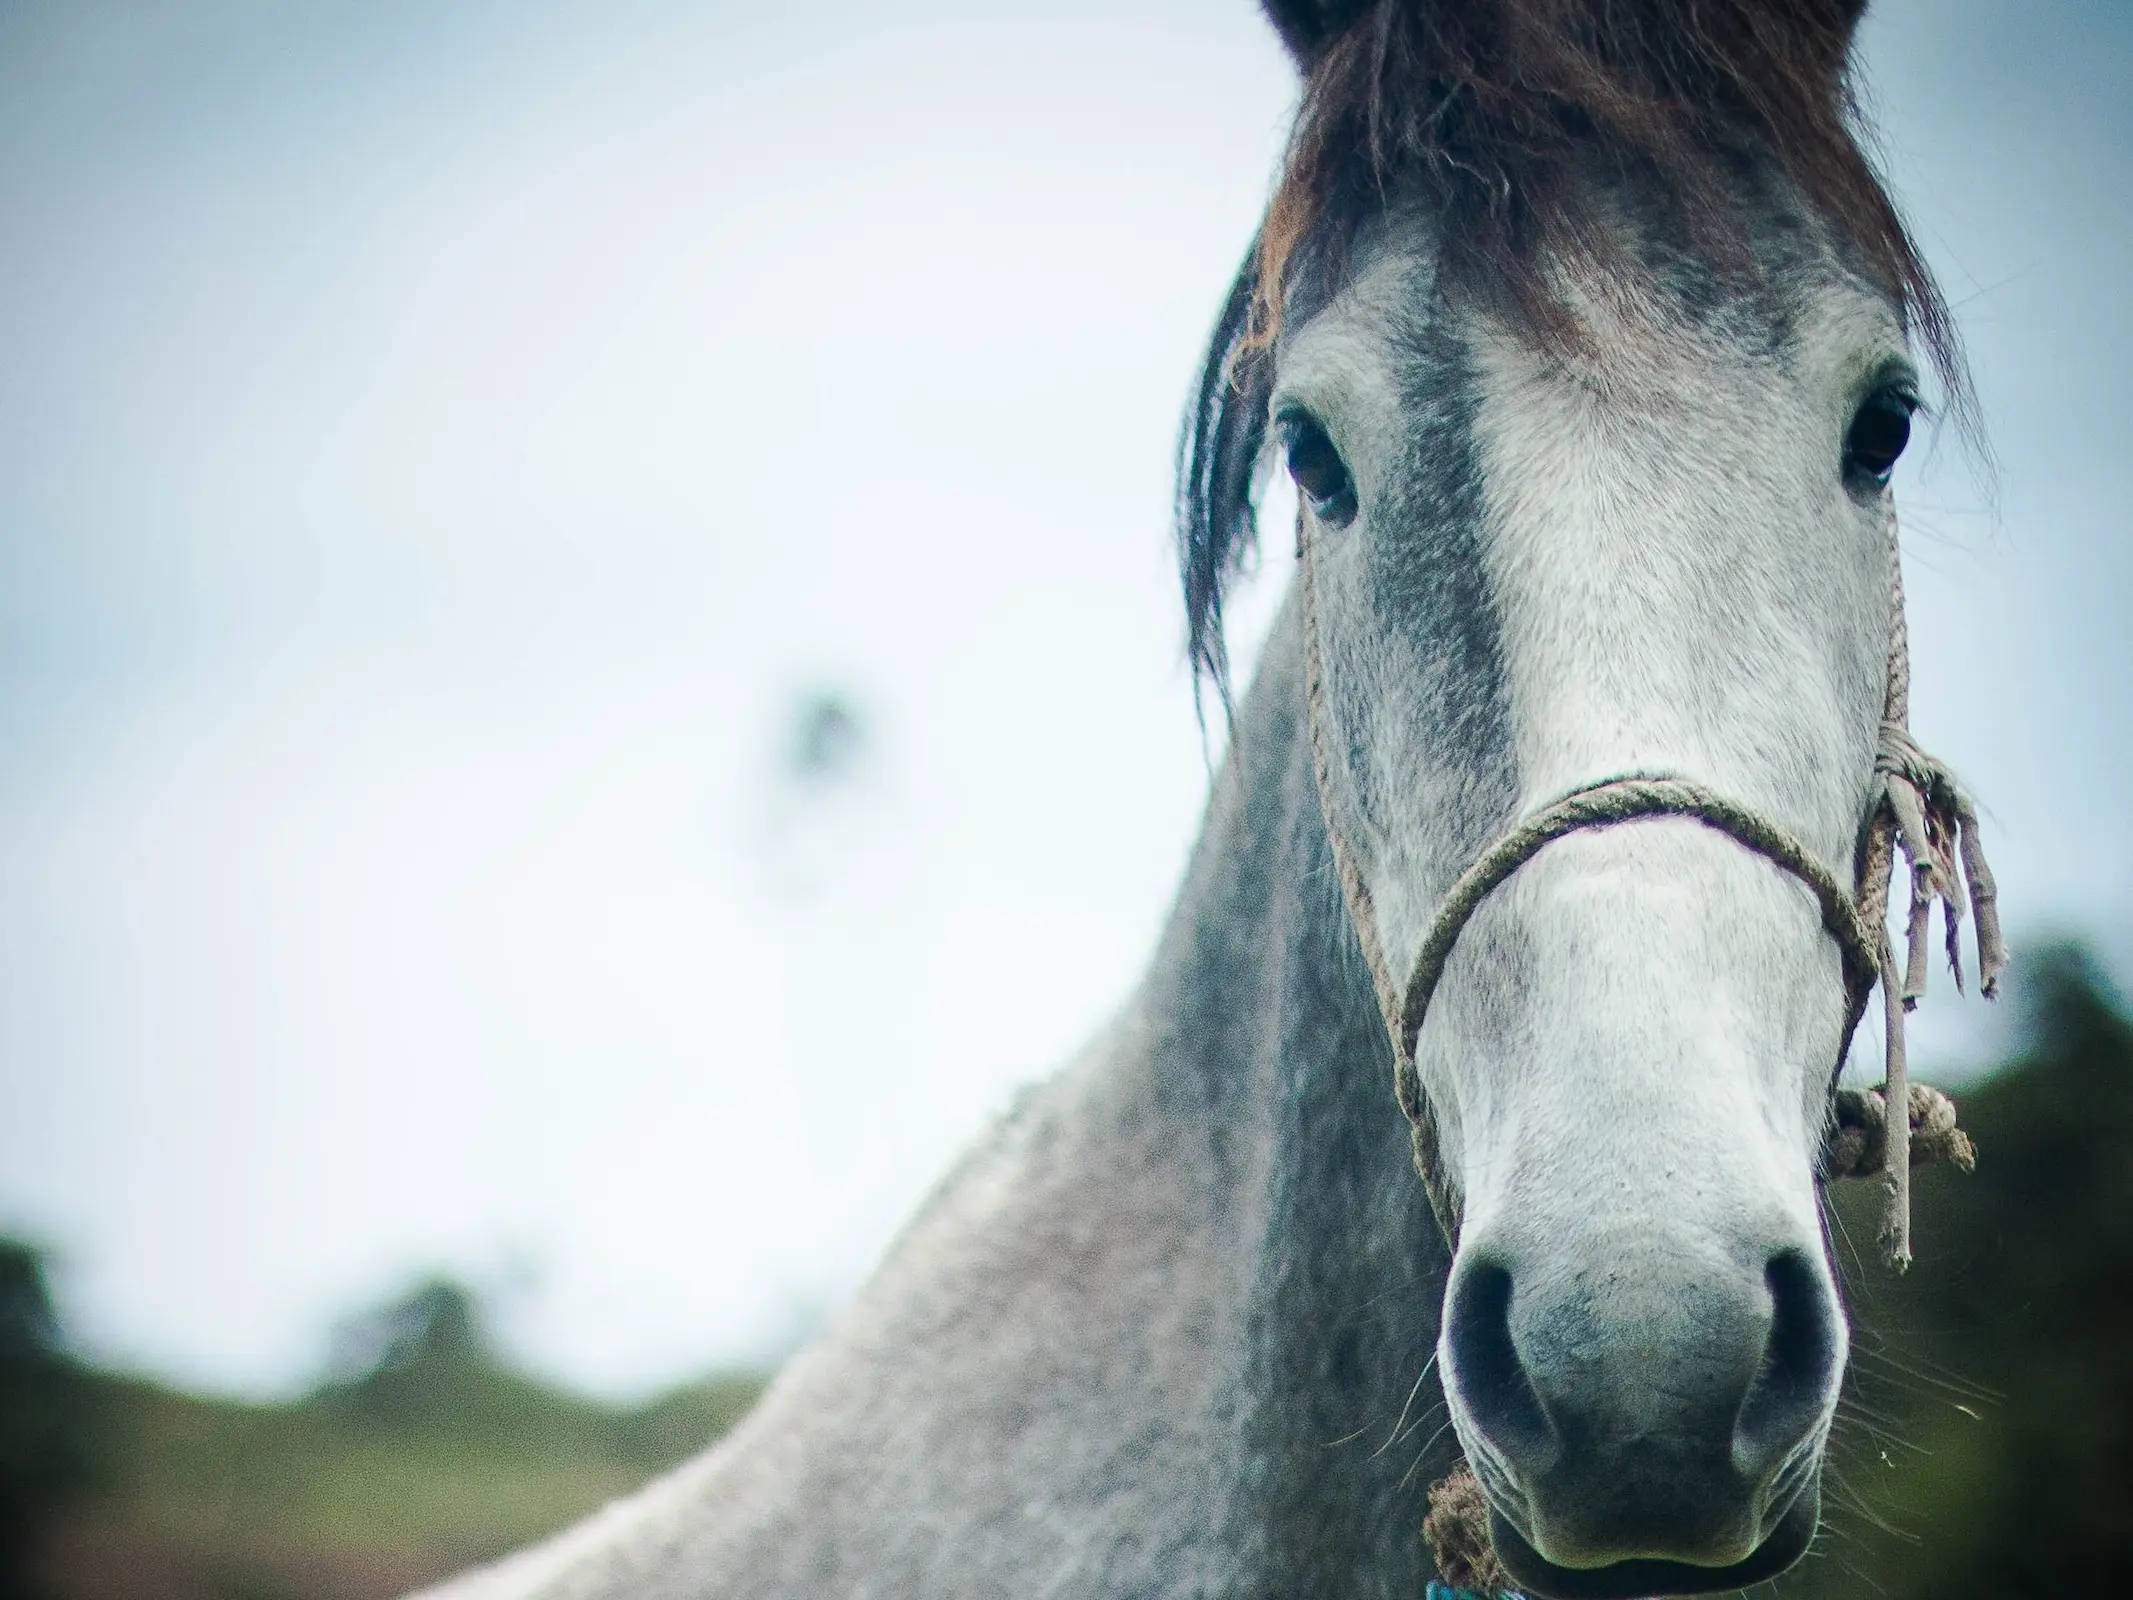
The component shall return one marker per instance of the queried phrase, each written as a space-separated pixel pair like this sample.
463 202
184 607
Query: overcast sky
445 451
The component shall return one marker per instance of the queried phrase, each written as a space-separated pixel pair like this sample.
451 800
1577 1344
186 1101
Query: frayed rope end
1457 1529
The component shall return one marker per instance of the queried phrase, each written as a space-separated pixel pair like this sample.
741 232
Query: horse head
1586 333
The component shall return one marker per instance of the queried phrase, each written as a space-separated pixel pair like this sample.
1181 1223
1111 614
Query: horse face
1661 549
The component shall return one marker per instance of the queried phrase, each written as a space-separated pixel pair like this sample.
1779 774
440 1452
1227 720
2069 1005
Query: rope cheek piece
1917 807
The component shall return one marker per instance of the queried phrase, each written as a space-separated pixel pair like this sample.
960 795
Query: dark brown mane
1497 114
1506 119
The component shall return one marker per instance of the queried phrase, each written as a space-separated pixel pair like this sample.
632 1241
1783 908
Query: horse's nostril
1791 1392
1491 1380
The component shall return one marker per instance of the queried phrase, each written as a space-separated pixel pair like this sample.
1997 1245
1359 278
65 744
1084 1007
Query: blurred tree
46 1458
1994 1407
439 1321
823 812
427 1355
828 738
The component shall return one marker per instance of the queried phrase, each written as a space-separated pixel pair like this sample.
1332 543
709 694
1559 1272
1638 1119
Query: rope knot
1857 1146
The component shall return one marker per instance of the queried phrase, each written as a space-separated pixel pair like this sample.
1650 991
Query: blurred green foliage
47 1421
1985 1446
433 1455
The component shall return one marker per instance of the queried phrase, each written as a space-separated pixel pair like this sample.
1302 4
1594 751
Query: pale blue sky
440 444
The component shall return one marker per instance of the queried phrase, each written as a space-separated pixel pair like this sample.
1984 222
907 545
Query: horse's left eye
1879 431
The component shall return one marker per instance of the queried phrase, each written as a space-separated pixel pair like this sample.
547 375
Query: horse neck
1275 1034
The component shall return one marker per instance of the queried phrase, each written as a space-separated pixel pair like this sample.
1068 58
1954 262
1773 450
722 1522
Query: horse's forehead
1638 335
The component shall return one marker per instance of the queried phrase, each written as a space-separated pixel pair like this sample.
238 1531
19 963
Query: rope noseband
1917 805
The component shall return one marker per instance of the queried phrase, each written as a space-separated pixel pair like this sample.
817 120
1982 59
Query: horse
1590 337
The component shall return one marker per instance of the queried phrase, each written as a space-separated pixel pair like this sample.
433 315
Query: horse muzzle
1643 1421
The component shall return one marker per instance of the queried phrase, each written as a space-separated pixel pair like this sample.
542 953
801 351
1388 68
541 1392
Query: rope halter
1916 805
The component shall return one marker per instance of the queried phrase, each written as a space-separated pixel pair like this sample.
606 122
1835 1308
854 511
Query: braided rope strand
1603 805
1362 915
1920 809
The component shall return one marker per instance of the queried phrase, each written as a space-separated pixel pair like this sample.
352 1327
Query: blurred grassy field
322 1499
1984 1448
437 1457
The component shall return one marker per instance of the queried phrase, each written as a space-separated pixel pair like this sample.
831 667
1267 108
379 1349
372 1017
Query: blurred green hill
431 1456
1985 1446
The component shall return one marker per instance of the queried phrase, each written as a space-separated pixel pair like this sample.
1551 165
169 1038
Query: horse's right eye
1321 476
